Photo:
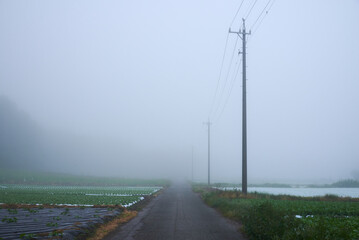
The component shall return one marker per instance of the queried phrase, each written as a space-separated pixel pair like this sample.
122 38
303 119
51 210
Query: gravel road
177 213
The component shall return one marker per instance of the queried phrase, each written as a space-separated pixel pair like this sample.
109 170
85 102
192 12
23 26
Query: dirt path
177 213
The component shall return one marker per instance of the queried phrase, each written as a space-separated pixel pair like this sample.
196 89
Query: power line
260 22
220 74
270 3
234 18
224 54
230 91
260 14
226 80
270 7
251 9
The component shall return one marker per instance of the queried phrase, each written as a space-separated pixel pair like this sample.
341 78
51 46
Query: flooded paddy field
300 191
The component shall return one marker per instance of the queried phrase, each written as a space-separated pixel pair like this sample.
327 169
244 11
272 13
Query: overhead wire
223 58
260 22
251 9
260 14
227 75
219 78
230 91
235 16
257 23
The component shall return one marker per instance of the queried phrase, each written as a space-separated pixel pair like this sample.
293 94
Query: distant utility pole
209 151
192 163
242 34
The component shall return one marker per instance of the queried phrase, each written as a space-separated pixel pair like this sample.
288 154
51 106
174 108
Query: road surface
177 213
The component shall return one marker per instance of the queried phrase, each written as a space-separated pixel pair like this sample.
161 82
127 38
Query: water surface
305 192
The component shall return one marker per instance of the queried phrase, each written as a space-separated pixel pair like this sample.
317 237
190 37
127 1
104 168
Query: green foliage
8 176
12 211
80 195
349 183
327 227
52 224
9 220
263 221
27 236
281 217
31 210
55 233
65 212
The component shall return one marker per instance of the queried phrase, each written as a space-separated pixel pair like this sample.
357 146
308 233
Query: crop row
80 189
66 199
25 194
10 176
45 223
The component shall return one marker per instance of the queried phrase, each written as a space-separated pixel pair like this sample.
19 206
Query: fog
122 88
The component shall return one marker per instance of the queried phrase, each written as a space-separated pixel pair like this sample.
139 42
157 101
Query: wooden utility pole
242 34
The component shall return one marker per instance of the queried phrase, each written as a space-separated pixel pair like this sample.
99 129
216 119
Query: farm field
11 176
48 206
266 216
44 210
73 195
40 223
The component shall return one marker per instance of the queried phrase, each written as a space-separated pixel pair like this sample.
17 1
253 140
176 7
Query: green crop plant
76 195
55 233
9 220
12 211
56 218
52 224
66 212
265 216
27 236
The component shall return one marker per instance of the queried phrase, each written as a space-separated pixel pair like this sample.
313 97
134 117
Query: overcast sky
145 73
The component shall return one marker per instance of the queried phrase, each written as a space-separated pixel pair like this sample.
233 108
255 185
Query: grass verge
265 216
110 226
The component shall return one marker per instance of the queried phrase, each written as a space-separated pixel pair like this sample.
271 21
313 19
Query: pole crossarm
241 31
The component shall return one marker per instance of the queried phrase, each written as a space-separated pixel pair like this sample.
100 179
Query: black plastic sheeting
40 223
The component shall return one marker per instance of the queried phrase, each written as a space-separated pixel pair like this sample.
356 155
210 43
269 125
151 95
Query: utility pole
242 34
192 163
209 151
